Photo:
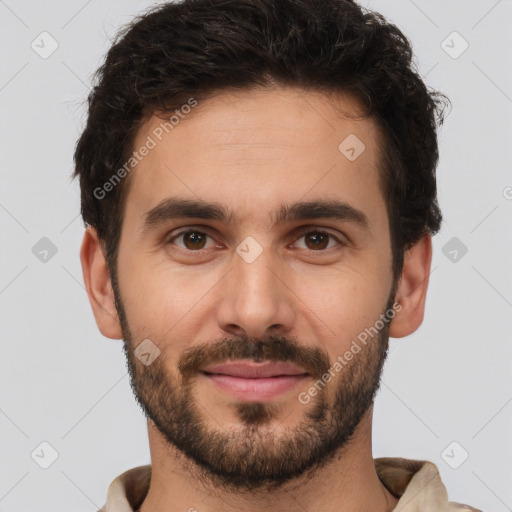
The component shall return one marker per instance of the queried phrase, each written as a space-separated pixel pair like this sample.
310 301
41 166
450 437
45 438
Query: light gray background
63 383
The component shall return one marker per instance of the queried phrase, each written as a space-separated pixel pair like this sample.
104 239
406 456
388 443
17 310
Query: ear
98 285
412 288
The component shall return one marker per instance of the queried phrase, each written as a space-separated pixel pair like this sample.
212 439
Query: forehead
250 148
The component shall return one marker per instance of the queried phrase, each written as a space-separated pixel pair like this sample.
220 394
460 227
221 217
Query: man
258 184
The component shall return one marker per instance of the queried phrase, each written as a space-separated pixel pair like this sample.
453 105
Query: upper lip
252 370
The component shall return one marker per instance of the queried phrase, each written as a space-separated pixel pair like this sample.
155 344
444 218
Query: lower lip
255 390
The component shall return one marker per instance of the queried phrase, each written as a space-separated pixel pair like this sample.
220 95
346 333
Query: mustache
273 348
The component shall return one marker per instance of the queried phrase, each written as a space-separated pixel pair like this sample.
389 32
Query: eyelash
301 233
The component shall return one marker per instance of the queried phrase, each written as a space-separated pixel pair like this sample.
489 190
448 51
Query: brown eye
317 240
194 240
191 240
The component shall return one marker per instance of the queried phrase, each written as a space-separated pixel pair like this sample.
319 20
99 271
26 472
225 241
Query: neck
347 483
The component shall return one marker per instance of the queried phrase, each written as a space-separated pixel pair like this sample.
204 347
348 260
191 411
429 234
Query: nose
257 298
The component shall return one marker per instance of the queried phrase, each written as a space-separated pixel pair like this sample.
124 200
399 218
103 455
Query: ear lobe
98 285
412 288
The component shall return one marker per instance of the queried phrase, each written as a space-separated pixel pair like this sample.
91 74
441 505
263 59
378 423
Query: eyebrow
181 208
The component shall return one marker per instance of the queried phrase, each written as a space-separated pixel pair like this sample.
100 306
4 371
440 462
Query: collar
416 482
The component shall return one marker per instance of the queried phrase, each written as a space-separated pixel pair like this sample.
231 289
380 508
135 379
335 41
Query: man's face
249 311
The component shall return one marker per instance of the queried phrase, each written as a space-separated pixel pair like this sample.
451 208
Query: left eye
318 240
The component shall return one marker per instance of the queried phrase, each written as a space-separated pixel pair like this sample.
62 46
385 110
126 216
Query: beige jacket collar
416 482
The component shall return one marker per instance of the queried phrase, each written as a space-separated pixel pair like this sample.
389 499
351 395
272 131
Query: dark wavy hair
196 48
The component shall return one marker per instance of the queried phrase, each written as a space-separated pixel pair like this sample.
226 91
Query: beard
253 455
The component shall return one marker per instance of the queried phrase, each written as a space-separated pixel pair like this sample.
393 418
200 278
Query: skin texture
253 151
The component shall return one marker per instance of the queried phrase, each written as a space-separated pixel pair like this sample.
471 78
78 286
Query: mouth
255 382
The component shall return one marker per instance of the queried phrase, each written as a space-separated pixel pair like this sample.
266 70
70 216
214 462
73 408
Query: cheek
343 307
156 301
163 303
